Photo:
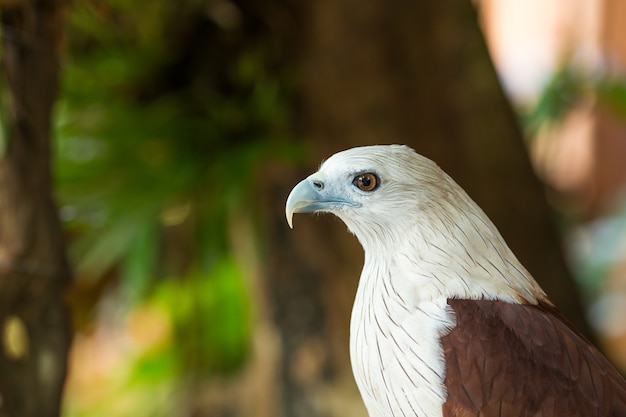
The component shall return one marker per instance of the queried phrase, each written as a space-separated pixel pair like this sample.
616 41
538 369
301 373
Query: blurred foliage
167 111
187 330
597 246
612 93
569 87
220 347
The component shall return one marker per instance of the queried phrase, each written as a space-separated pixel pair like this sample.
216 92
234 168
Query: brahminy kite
446 321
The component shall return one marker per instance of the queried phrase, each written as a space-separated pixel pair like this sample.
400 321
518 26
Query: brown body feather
524 360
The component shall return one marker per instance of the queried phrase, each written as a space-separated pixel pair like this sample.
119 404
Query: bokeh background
180 127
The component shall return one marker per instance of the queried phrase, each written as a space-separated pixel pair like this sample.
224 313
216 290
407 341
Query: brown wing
522 360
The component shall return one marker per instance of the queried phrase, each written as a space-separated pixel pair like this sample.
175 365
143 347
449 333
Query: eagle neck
383 335
451 254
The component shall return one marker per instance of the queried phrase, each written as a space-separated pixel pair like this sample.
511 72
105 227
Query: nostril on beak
319 185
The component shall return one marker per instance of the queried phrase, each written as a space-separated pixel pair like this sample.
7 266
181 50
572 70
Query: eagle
446 321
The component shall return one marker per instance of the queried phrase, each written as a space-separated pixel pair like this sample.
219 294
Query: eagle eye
366 182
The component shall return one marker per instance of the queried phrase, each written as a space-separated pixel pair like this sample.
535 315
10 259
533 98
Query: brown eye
366 182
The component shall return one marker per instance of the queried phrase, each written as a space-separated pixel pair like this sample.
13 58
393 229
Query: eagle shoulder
524 360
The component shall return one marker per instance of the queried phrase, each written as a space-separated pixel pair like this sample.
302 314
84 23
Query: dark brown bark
34 322
416 73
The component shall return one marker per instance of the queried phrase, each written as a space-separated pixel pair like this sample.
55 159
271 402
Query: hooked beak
311 195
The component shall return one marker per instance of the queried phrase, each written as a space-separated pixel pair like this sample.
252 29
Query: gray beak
311 195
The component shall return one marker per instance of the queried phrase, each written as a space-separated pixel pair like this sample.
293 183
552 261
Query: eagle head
372 189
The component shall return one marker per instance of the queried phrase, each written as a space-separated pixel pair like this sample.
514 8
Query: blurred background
180 127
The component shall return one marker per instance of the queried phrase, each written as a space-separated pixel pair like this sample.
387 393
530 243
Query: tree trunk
391 71
34 322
